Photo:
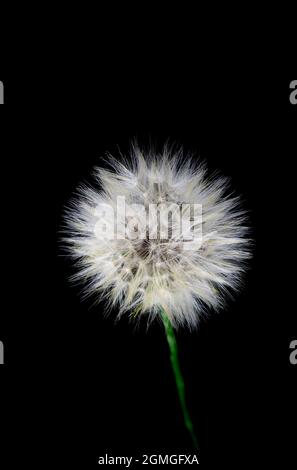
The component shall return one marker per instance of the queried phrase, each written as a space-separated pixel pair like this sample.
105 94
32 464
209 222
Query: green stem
178 375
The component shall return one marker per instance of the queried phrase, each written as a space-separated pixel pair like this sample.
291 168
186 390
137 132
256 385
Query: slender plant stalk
178 375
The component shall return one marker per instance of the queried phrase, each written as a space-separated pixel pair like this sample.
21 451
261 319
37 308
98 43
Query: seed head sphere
140 257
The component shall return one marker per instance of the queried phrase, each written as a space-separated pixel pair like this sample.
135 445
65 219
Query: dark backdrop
76 385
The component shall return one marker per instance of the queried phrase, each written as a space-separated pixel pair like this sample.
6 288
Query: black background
76 385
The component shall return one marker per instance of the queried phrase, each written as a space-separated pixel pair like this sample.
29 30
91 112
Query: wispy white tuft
141 275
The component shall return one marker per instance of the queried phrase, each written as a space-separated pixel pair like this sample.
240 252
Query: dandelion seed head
151 260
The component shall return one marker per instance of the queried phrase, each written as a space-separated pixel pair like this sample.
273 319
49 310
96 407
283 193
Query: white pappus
136 267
